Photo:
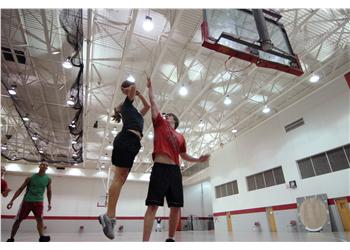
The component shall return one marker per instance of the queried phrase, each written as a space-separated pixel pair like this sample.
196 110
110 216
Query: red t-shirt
3 185
166 140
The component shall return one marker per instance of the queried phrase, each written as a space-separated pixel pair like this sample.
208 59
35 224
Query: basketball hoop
229 66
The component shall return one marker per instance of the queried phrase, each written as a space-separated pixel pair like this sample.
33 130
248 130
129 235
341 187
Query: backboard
237 33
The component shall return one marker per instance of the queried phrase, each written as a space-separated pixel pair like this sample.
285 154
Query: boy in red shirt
166 178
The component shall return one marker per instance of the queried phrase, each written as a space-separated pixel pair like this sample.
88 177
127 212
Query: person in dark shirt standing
126 146
33 201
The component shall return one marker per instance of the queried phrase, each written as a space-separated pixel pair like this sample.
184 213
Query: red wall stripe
242 211
275 208
347 78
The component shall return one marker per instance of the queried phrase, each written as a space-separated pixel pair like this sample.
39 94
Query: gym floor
188 236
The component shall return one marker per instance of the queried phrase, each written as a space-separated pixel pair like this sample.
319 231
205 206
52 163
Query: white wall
198 200
327 123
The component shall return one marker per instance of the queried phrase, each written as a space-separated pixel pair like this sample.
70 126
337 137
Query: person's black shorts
126 146
166 180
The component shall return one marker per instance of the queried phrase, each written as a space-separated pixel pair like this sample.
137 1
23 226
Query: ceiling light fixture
4 146
234 130
41 151
201 124
130 78
67 64
148 24
35 137
183 91
114 131
266 109
74 142
55 52
314 78
71 101
25 118
12 90
227 100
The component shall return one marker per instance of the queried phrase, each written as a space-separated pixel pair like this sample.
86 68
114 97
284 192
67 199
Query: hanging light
148 24
41 151
67 63
201 124
234 130
74 142
183 90
114 131
55 52
12 90
314 78
71 101
227 100
4 146
25 118
72 124
130 78
266 109
106 157
35 137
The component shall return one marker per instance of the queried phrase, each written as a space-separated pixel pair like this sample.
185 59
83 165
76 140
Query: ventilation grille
294 125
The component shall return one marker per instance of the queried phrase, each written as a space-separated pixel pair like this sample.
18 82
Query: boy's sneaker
10 240
169 240
108 225
44 238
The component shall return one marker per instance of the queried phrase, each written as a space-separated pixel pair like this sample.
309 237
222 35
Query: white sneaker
108 225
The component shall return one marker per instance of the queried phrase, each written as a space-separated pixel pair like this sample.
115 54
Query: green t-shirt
36 188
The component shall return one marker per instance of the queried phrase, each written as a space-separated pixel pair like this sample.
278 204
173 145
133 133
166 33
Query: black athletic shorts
166 180
126 146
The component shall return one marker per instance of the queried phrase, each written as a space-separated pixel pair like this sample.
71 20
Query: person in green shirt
33 201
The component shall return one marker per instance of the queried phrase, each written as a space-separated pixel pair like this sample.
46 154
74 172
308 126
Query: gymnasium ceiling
116 46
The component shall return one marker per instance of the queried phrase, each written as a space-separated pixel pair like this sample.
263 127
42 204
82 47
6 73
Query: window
279 177
259 178
324 163
306 169
269 179
321 164
265 179
251 183
9 56
226 189
337 159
